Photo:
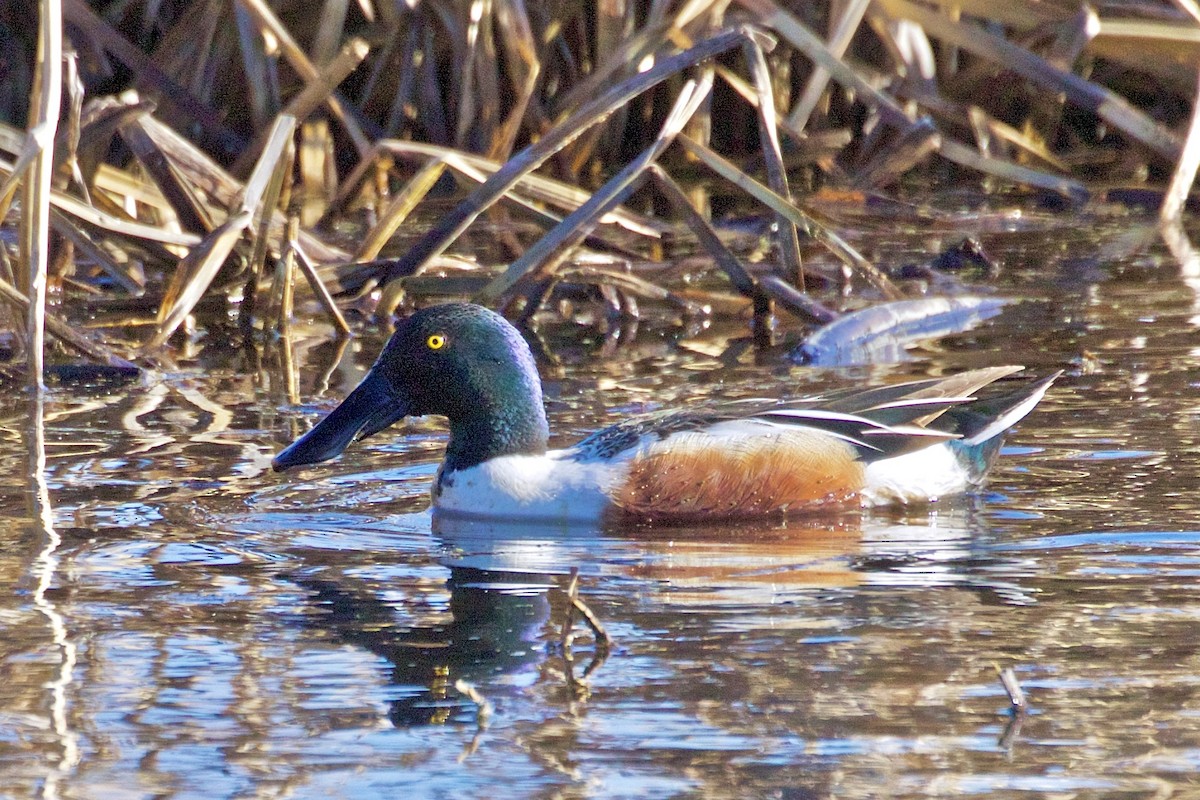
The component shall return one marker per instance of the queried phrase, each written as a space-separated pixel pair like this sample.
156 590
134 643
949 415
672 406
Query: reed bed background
159 158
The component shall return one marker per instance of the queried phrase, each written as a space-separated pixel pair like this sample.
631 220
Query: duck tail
981 424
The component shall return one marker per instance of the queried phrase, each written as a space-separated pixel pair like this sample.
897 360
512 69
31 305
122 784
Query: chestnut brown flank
697 475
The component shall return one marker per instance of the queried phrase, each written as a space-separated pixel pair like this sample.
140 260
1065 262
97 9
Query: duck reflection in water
508 608
507 627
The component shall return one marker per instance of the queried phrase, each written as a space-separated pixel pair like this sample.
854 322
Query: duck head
458 360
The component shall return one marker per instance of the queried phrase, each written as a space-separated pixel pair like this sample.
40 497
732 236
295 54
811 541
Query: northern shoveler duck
903 443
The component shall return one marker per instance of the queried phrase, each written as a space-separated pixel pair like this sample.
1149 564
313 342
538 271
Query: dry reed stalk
189 209
1044 118
897 155
1073 37
891 112
818 79
129 190
100 121
283 286
541 189
322 293
840 248
203 174
1168 50
541 259
768 13
95 251
26 153
787 240
12 140
707 236
62 331
148 234
1017 173
1185 171
35 200
453 224
478 78
175 101
800 304
330 26
197 270
292 53
403 204
760 291
634 50
988 129
631 284
523 66
290 370
536 211
315 93
1109 106
262 197
200 266
317 167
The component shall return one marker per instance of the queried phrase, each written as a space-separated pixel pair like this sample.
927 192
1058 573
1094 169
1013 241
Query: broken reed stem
95 252
183 200
35 211
287 364
1016 696
724 258
202 264
839 40
8 190
800 304
202 172
603 640
318 286
541 189
278 150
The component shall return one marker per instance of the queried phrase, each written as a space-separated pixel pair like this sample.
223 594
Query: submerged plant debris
257 160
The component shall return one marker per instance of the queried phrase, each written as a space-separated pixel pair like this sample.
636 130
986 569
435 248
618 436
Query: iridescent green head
458 360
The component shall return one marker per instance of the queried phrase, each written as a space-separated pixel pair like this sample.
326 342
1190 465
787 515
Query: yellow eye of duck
436 342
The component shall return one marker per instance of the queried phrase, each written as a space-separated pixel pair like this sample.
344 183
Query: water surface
181 622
